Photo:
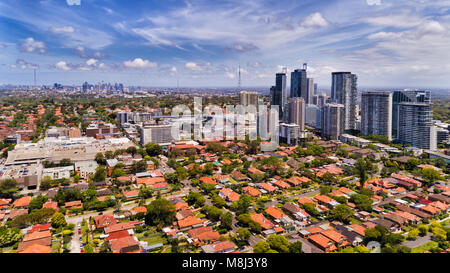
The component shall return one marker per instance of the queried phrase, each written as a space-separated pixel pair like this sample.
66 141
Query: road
75 245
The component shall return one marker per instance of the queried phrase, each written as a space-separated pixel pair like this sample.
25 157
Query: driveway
75 246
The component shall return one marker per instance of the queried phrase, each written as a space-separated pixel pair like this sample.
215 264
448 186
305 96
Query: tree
58 220
212 212
153 149
37 202
241 206
118 172
430 175
226 220
372 234
9 236
219 201
100 158
411 164
100 174
140 166
361 170
109 154
296 247
278 243
244 233
160 212
362 201
131 150
172 178
261 247
195 198
46 183
342 212
7 188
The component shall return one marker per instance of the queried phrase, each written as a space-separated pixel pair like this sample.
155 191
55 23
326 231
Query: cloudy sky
387 43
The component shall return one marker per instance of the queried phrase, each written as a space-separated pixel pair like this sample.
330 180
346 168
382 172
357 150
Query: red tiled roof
259 218
22 202
208 180
275 213
51 205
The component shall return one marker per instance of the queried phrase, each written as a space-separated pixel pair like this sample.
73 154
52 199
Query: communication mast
239 77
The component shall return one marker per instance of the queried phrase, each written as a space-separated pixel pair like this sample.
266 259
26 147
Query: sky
201 43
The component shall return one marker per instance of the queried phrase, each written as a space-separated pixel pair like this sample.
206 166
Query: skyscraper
299 84
85 87
278 94
248 98
415 126
309 91
313 115
344 91
297 112
376 113
406 96
333 120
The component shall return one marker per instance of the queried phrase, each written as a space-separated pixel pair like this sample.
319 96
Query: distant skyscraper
333 120
415 126
248 98
85 87
297 112
299 84
376 113
344 91
316 89
309 90
406 96
278 94
313 115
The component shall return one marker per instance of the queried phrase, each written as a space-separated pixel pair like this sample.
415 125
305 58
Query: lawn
152 239
425 247
355 221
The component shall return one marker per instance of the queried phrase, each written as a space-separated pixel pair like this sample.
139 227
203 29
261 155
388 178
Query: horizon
202 44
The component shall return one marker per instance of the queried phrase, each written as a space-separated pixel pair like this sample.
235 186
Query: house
125 245
322 242
251 191
238 176
207 180
22 202
406 181
336 237
189 223
30 240
120 227
267 187
326 201
229 195
137 210
275 213
259 218
204 234
50 205
255 171
73 205
131 194
102 221
350 234
219 247
282 185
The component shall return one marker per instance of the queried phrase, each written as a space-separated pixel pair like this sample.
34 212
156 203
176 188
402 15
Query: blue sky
387 43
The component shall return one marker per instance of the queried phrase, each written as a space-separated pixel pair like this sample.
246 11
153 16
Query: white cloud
22 64
401 20
139 63
91 62
173 69
30 45
373 2
62 66
231 75
314 20
59 30
193 66
3 45
73 2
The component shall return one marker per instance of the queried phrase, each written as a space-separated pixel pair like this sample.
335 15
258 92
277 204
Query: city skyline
204 44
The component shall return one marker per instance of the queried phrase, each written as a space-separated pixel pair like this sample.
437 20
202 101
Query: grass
355 221
425 247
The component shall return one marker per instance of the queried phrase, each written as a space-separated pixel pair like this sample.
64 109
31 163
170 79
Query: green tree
361 170
160 212
296 247
243 233
261 247
342 213
37 202
430 175
100 158
8 188
58 220
278 243
226 220
219 201
153 149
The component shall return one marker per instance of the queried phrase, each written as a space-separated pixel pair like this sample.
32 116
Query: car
82 250
79 232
